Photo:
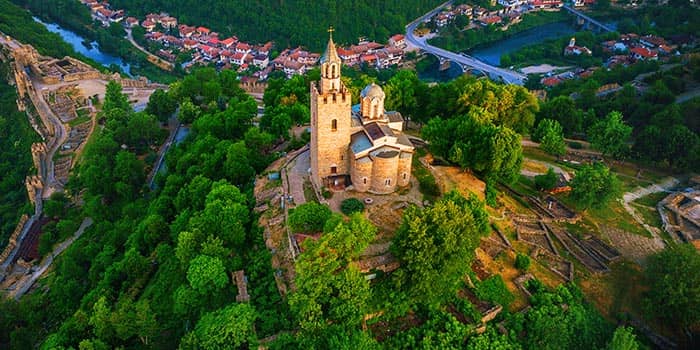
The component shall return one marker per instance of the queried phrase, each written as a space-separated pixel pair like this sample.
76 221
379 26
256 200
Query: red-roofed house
642 53
148 25
168 22
153 17
551 81
490 20
349 57
186 31
131 22
238 58
546 4
104 14
214 42
261 60
397 40
203 30
190 44
242 47
228 42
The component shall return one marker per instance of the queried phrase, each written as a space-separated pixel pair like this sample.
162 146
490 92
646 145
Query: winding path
25 284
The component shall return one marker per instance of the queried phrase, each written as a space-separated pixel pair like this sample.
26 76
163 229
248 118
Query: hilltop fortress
360 146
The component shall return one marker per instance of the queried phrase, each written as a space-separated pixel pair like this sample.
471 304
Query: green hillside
291 22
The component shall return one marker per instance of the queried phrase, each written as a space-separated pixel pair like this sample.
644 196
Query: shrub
351 205
491 194
576 145
522 262
546 181
494 290
309 217
326 193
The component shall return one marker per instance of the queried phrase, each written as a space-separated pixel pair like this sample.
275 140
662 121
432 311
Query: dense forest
293 22
18 23
16 138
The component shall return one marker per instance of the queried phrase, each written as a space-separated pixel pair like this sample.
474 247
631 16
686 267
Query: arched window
404 176
333 71
334 124
364 180
375 113
387 182
326 70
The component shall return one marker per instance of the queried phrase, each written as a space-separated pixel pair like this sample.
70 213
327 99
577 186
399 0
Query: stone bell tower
330 122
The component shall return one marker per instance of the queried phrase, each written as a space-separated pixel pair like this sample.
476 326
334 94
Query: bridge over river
467 62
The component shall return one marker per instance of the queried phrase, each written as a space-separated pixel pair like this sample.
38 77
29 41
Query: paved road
23 286
54 143
506 75
140 48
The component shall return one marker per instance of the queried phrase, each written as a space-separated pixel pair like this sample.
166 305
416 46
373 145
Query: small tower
331 123
330 67
372 102
572 42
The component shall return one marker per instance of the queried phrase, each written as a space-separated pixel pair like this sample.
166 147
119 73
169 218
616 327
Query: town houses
203 46
512 10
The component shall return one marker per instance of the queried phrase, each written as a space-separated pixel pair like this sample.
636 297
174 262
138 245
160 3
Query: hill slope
290 22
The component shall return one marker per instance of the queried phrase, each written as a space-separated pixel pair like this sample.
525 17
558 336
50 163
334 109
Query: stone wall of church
384 172
404 171
361 175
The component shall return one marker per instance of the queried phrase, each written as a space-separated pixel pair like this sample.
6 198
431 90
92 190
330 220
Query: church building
360 146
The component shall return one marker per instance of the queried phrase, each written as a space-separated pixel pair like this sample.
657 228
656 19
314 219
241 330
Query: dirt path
664 186
557 169
25 284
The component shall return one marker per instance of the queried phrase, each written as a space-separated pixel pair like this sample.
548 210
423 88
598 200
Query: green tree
563 109
547 181
229 328
309 217
673 275
623 339
351 205
551 137
161 104
114 98
207 274
611 135
189 112
435 246
329 287
594 186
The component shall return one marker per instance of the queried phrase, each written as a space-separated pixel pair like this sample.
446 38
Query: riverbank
453 39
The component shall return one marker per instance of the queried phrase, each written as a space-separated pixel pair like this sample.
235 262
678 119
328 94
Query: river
492 53
93 52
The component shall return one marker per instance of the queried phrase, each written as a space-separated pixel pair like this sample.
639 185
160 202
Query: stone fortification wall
12 243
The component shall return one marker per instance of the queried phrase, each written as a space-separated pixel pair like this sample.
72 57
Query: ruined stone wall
253 86
384 171
12 242
404 170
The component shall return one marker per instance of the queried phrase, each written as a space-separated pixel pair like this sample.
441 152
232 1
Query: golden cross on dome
330 31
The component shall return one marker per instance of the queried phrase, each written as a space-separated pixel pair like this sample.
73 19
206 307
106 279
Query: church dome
373 90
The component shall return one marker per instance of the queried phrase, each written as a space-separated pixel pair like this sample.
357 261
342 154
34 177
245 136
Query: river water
93 52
